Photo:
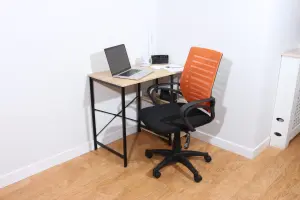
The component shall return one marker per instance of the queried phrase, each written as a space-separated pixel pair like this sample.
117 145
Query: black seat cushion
165 119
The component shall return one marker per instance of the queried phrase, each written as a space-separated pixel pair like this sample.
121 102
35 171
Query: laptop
119 64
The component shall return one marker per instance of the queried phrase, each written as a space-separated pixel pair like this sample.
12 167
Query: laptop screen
117 59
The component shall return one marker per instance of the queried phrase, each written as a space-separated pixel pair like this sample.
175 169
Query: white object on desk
174 66
158 66
145 62
175 69
169 67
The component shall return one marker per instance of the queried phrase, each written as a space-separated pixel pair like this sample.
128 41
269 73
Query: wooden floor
100 175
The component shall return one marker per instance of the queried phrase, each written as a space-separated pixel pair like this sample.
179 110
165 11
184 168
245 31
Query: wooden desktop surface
294 53
107 77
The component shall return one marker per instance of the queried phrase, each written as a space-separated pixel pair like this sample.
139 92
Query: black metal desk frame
123 116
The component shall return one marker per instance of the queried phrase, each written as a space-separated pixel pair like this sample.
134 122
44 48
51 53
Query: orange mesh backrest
199 73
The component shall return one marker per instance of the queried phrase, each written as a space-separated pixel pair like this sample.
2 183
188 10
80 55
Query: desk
106 78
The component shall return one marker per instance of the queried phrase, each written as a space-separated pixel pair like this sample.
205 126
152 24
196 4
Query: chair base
172 157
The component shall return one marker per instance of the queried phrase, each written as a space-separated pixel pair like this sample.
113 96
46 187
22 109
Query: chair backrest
199 73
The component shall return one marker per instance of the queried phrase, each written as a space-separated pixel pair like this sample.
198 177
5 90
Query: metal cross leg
121 114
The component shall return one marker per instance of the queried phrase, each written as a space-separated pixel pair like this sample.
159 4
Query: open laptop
119 64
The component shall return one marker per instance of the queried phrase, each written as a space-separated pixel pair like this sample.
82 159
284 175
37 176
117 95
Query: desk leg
138 106
124 126
156 83
171 81
93 112
172 101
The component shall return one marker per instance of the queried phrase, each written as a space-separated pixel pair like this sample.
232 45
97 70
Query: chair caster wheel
156 173
207 159
148 154
197 178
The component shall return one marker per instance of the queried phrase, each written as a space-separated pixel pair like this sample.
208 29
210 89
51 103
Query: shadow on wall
102 93
219 90
99 64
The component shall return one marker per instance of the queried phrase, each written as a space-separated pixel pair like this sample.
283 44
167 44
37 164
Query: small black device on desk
160 59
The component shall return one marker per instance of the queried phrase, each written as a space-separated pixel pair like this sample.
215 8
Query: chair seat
165 119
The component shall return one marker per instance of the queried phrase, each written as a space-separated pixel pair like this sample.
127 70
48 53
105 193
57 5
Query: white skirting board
69 154
57 159
232 147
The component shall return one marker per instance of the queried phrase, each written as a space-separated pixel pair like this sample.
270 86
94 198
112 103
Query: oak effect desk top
106 77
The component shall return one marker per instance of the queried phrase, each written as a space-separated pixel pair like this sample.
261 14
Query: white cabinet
286 119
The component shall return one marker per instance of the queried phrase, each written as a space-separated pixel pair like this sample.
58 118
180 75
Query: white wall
247 32
47 49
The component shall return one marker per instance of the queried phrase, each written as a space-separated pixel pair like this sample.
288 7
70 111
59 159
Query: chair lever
187 142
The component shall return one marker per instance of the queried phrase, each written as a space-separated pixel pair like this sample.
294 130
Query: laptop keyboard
130 72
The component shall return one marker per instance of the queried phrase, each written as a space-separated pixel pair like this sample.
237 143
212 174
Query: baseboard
262 146
109 138
231 146
59 158
69 154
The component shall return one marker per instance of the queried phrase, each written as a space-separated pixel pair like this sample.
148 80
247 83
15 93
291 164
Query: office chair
195 86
